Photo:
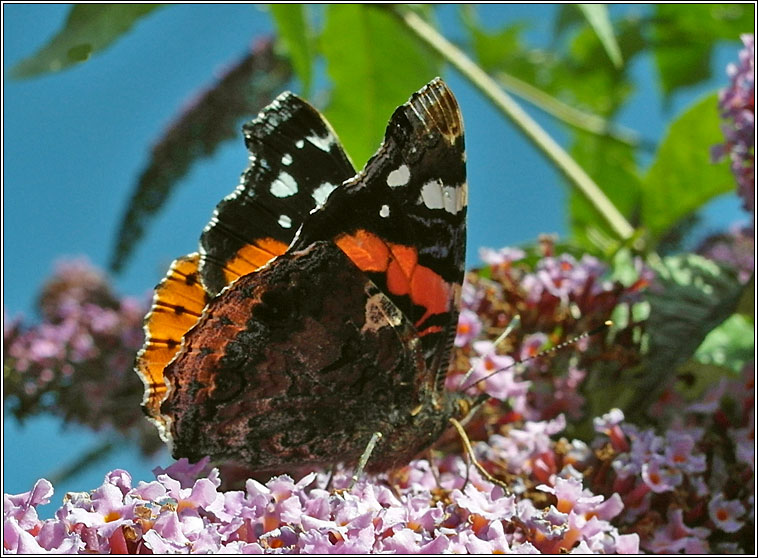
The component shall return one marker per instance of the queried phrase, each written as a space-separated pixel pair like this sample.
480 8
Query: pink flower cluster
737 107
691 488
687 489
557 298
177 514
630 488
78 362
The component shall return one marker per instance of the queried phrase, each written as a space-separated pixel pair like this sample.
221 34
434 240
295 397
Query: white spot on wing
322 192
285 222
284 186
324 144
286 159
384 211
299 144
399 177
435 195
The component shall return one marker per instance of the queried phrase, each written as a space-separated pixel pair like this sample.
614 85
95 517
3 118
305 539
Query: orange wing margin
178 303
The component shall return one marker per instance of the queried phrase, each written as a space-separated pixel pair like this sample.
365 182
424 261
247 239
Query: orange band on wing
366 250
397 279
400 264
252 257
430 291
406 257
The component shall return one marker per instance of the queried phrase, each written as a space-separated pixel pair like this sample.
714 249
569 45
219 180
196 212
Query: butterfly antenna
558 347
515 322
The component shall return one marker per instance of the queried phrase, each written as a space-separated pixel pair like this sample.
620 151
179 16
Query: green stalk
572 116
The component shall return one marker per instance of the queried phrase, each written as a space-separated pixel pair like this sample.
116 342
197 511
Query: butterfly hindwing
300 363
296 161
402 219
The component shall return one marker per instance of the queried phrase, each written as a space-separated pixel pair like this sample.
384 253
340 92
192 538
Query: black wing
296 161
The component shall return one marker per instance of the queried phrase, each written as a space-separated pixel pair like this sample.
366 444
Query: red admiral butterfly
322 305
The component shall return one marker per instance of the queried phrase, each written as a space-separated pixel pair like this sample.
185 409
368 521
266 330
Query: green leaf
695 378
583 78
691 296
497 50
295 36
196 133
624 268
592 77
682 65
597 16
567 17
89 29
375 65
682 177
684 36
730 345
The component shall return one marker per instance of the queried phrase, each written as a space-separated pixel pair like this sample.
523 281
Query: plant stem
514 112
568 114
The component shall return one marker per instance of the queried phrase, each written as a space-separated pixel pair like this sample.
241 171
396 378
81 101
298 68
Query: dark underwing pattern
306 378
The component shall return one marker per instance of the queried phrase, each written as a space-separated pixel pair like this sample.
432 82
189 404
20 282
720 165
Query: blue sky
76 141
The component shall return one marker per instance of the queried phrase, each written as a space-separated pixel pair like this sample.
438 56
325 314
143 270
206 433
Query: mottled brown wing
299 364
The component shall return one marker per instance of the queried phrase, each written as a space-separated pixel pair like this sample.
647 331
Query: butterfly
322 305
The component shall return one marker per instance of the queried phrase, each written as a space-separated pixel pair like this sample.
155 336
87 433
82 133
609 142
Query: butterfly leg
470 452
468 470
375 437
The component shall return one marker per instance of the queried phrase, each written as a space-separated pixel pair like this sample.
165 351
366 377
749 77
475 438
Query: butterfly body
308 341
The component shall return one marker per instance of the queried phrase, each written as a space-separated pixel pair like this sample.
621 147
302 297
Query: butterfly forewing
402 219
296 161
